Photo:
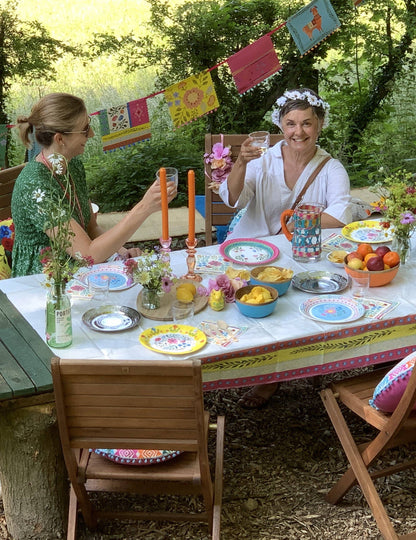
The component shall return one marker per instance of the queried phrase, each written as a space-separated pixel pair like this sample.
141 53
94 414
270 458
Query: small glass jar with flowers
58 265
397 204
154 274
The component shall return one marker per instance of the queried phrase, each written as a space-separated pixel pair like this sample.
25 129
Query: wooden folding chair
7 180
216 212
394 430
136 404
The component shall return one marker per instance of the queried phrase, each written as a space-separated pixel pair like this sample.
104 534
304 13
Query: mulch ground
279 464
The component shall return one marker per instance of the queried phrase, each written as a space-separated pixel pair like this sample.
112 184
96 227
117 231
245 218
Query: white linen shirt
266 194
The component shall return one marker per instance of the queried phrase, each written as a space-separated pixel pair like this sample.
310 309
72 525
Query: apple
382 250
355 264
375 264
354 255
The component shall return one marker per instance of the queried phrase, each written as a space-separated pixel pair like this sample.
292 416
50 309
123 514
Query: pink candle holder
190 260
165 249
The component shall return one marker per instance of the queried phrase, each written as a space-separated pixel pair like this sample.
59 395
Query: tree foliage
27 51
356 68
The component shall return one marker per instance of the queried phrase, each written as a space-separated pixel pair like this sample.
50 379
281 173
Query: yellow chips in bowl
337 256
233 273
272 274
257 295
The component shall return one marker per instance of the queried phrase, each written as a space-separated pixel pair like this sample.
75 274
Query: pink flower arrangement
221 164
227 286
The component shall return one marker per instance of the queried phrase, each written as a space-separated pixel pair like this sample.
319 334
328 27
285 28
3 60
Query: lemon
184 295
190 287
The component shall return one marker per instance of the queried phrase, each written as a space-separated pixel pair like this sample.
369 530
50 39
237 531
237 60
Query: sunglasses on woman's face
85 131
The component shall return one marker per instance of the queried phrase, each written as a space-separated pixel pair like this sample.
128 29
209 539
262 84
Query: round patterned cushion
390 389
136 457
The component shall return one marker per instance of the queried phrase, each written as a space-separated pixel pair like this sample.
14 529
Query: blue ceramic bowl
280 286
256 310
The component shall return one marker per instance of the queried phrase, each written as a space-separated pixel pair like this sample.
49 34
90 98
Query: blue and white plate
332 309
116 273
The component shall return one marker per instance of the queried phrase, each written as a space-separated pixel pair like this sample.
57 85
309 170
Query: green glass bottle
58 317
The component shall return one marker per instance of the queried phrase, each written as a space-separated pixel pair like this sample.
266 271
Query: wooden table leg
32 470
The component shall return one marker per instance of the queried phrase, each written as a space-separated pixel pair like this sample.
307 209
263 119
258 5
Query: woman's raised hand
152 198
248 152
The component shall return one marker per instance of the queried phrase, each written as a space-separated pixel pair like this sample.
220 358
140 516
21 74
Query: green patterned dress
30 237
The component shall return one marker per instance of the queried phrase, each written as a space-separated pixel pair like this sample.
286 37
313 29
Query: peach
354 255
355 263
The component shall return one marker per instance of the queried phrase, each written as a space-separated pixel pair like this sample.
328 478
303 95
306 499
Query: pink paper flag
254 64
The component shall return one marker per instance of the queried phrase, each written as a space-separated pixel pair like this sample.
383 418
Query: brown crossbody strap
309 181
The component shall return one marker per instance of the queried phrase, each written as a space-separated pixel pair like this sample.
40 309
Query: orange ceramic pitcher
306 237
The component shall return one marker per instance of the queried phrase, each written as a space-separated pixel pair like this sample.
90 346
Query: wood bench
25 357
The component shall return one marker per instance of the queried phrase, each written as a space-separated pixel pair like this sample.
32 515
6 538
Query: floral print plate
249 251
173 339
332 309
370 232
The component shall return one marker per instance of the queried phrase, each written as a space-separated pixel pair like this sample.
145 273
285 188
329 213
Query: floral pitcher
306 237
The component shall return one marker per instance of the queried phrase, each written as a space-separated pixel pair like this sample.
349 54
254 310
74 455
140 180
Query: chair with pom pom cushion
390 389
393 429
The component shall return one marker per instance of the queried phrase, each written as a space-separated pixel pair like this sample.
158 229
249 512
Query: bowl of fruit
381 263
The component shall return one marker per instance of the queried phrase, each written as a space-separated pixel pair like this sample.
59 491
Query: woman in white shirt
270 183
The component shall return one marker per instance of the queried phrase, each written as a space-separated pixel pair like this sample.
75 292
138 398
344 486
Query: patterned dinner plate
249 251
370 232
136 457
332 309
173 339
119 279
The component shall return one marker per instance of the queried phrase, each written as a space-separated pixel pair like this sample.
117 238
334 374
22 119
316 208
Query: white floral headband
292 95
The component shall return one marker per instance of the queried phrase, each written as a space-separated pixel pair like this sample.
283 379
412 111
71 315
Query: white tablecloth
283 345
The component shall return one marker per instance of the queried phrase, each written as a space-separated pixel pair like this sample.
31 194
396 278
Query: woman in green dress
62 126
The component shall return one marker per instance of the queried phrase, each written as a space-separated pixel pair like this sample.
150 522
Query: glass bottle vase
58 317
401 244
150 298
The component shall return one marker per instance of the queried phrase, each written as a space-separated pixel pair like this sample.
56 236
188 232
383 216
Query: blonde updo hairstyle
54 113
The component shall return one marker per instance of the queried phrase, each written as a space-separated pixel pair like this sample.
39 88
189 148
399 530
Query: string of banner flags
191 98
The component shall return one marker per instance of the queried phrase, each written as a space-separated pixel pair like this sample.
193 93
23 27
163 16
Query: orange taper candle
191 206
164 195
